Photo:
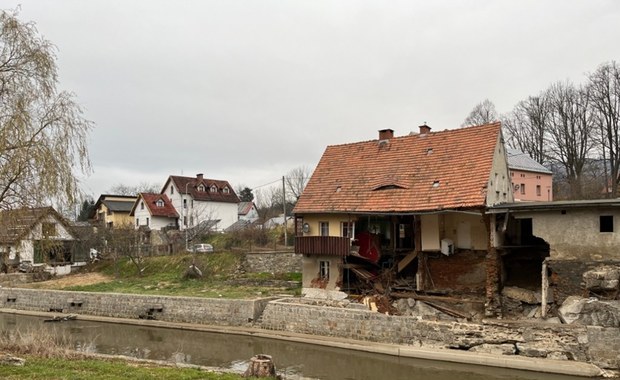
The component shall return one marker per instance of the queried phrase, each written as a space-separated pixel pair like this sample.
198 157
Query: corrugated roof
448 169
522 161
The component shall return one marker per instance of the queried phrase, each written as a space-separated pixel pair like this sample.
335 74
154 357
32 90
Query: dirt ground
72 280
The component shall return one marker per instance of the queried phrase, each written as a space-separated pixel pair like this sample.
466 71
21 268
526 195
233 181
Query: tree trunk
261 365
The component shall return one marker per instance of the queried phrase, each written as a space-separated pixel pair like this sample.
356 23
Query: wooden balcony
322 245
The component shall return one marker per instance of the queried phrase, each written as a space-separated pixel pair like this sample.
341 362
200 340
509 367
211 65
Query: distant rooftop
522 161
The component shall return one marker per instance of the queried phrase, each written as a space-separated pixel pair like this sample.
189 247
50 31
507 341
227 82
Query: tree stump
261 365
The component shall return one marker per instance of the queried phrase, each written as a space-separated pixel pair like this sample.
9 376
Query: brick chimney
199 176
425 129
386 134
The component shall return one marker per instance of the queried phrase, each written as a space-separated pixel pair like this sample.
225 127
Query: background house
202 201
415 204
154 211
247 211
530 180
113 210
40 236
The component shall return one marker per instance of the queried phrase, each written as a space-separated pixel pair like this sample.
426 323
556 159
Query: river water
233 351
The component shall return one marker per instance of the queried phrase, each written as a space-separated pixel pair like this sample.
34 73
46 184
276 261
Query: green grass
163 275
77 369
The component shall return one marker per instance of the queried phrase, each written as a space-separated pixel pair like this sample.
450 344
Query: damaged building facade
405 214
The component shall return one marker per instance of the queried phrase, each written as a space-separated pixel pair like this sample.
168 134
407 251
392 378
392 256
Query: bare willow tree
570 134
43 134
604 91
482 113
527 126
296 181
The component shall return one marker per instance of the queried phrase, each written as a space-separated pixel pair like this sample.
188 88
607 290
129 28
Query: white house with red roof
154 211
202 201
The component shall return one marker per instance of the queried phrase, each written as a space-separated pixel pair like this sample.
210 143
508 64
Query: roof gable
156 204
421 172
15 224
191 185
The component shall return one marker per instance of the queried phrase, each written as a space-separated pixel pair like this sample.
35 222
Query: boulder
523 295
605 277
590 311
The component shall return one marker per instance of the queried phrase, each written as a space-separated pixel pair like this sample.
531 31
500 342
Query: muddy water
232 351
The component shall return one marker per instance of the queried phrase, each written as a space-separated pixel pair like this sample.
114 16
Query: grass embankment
164 275
48 357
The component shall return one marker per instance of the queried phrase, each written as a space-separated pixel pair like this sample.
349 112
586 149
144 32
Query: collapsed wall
591 344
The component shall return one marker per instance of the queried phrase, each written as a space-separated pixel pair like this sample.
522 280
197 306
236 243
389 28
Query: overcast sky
247 90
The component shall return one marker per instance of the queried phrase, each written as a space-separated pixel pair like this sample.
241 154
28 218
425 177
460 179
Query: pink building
531 181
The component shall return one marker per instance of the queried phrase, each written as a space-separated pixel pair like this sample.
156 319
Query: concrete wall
223 312
576 234
542 340
283 262
310 273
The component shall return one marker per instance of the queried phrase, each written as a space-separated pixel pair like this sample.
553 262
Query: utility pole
284 208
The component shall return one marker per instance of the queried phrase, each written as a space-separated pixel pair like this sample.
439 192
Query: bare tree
43 134
604 91
527 126
296 181
125 242
482 113
142 187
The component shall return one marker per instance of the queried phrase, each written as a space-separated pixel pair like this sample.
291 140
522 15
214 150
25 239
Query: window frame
324 270
606 223
323 228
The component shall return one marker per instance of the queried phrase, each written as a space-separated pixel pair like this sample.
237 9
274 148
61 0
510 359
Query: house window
191 220
606 223
324 270
48 229
141 205
538 190
346 229
171 189
147 221
201 188
226 190
160 203
184 203
324 228
185 221
522 188
137 222
213 189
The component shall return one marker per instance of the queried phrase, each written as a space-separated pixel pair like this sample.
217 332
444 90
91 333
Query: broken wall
464 271
467 231
567 277
575 234
311 272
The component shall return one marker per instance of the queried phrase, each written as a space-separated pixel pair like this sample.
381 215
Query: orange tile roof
397 175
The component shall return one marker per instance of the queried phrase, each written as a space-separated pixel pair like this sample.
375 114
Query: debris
70 317
8 359
446 310
524 295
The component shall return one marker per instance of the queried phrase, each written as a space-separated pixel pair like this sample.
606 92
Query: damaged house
405 213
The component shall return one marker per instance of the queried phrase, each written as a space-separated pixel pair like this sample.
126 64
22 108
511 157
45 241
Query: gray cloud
247 90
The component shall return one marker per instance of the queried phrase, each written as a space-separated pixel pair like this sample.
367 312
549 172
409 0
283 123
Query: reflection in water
233 351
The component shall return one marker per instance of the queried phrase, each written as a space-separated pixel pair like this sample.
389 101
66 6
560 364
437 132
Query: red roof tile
150 200
192 184
438 170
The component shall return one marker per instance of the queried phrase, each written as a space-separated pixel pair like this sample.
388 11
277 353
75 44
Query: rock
8 359
261 366
405 306
606 277
554 320
524 295
496 349
590 311
524 349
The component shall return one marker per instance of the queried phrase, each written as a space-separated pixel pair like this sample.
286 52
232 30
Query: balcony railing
323 245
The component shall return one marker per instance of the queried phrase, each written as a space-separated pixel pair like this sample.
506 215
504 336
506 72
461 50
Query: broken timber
402 264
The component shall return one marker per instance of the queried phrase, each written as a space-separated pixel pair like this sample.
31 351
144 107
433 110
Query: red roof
192 185
437 170
150 200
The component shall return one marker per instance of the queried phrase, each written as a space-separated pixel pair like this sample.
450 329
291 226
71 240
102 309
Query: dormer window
226 190
213 189
160 203
201 187
435 183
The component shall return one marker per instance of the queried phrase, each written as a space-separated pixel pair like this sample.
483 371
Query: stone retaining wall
600 346
223 312
272 262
